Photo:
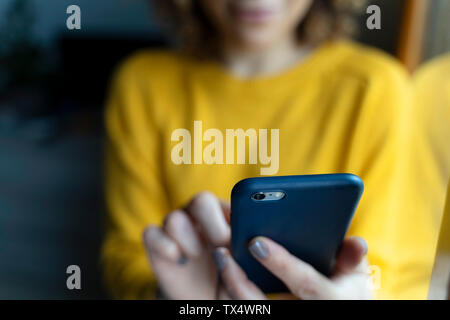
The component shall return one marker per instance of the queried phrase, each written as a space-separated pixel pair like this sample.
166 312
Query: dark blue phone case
310 221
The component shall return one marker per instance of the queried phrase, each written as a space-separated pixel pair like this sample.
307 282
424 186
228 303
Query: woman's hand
181 252
349 281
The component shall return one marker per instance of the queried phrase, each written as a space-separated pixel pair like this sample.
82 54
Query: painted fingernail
220 259
258 249
182 260
364 244
145 234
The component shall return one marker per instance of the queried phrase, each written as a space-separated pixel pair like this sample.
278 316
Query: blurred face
256 24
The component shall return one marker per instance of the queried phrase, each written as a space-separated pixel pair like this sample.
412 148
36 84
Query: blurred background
52 88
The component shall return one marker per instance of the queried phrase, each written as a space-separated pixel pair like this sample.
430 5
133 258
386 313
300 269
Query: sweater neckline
218 73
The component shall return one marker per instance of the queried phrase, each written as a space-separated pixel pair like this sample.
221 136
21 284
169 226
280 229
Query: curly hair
197 35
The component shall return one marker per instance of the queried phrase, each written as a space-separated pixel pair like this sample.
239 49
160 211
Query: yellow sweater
432 106
344 109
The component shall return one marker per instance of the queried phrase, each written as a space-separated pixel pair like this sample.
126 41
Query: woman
339 106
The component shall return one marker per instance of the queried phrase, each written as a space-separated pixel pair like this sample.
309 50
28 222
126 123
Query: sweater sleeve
394 215
134 193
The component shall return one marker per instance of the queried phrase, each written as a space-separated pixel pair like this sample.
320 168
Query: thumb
351 256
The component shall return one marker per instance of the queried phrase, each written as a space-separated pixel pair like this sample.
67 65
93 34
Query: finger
179 227
223 295
205 209
283 296
234 278
448 289
351 255
226 209
157 242
300 277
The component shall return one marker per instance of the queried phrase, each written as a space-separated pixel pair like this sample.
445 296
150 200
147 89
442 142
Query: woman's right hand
181 250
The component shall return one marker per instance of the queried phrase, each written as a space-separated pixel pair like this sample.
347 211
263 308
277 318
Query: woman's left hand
349 281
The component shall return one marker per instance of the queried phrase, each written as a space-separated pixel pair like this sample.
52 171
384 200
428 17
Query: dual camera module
268 196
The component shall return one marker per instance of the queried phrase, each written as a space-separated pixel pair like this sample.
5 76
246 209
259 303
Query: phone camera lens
259 196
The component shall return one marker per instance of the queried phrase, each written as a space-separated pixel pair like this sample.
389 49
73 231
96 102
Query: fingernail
145 234
259 249
220 259
182 260
364 244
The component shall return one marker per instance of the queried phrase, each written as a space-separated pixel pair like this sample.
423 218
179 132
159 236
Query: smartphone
308 215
